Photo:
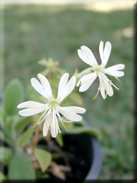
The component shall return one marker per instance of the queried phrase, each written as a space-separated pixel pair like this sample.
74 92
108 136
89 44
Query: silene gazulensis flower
52 111
100 71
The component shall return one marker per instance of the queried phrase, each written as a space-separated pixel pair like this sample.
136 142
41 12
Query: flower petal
31 104
70 115
84 78
88 53
115 73
75 109
114 70
102 87
116 67
54 126
108 87
69 87
39 88
62 84
45 85
66 90
47 124
101 49
84 58
107 50
86 81
105 85
104 54
31 111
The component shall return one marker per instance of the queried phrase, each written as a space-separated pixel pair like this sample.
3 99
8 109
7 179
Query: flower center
99 69
53 104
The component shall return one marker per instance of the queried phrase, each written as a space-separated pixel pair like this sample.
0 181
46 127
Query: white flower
52 112
99 71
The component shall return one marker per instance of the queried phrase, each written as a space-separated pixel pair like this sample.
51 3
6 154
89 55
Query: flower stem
83 73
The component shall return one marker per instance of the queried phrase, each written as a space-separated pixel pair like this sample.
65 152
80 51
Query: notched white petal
115 73
54 126
108 87
75 109
116 67
104 53
86 81
47 125
67 89
38 87
70 115
45 84
89 54
102 87
101 49
83 79
31 111
86 50
107 50
62 84
84 58
31 104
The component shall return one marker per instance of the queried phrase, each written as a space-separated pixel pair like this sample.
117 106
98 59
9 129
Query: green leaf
20 125
13 96
43 157
59 139
87 130
10 133
2 177
43 62
67 125
5 154
31 93
25 137
9 124
1 117
5 138
2 136
20 167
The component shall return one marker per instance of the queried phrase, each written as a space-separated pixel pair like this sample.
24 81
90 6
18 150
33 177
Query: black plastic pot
91 149
87 160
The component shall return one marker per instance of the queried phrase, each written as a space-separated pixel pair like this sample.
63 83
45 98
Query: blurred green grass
33 32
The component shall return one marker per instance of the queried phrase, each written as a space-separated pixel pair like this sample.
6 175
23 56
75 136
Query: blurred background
35 31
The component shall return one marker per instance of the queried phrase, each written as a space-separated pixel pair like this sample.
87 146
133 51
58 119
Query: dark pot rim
97 160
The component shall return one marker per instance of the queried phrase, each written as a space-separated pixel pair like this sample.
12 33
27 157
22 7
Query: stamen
94 98
66 120
56 115
111 81
119 80
61 121
96 94
113 85
40 119
34 127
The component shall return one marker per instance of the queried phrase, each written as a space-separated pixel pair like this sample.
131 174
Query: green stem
82 73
